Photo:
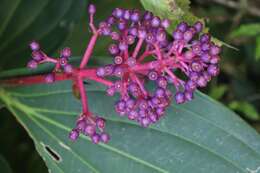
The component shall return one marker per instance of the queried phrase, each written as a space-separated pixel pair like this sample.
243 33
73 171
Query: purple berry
91 9
110 91
118 12
145 122
115 36
135 16
119 71
188 95
198 26
162 82
89 130
73 135
130 39
156 22
81 125
142 33
132 115
100 123
32 64
34 46
187 36
131 61
68 68
37 55
109 69
159 92
153 75
177 35
49 78
183 26
95 138
190 85
104 137
118 60
133 31
113 49
66 52
202 82
120 105
194 76
111 20
161 36
101 72
189 55
165 23
196 66
127 15
214 59
63 61
179 97
122 25
215 50
213 70
205 57
205 38
148 15
122 46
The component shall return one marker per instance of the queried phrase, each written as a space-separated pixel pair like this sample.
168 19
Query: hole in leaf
54 155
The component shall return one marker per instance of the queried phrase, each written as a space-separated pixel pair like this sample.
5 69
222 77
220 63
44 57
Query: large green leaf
201 136
47 21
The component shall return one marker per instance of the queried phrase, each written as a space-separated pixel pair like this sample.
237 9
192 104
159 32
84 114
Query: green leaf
257 49
4 165
26 20
248 109
252 29
218 91
201 136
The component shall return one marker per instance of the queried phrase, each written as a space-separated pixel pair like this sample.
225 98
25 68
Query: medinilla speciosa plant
141 51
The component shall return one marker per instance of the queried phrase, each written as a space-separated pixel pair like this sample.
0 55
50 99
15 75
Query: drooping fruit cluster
141 50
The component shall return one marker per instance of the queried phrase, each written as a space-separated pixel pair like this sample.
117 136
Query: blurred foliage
48 21
249 30
237 86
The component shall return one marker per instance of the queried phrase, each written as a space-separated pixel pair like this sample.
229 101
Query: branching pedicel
136 38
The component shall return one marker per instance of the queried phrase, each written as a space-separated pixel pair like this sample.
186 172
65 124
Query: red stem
89 50
83 96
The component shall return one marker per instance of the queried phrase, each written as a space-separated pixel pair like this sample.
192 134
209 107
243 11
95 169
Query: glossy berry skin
141 52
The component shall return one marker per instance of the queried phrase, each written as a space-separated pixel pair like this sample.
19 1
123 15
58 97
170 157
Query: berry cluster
89 126
39 57
141 51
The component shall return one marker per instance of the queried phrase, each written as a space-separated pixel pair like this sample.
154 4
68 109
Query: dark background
238 85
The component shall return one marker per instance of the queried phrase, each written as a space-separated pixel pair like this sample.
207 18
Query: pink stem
89 50
138 47
158 51
91 74
144 55
91 24
83 96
